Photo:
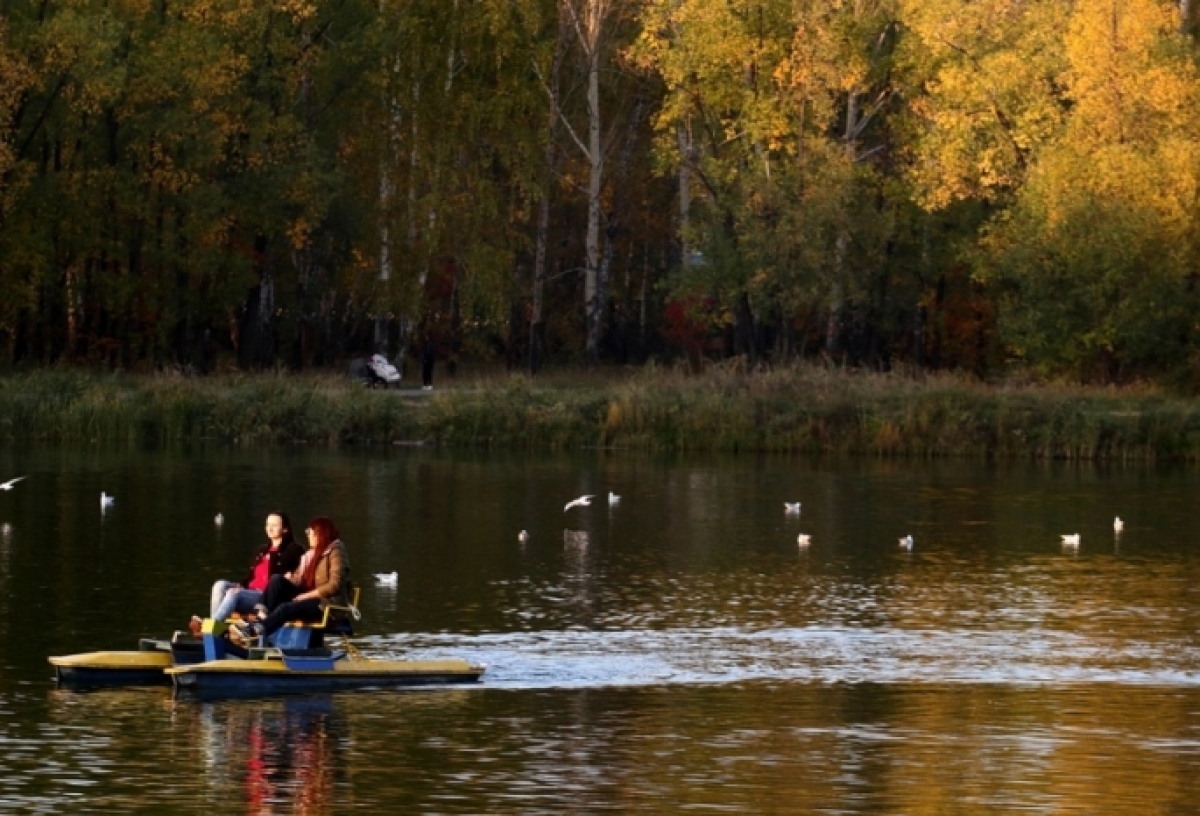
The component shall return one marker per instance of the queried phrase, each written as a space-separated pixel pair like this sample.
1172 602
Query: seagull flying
906 543
791 508
522 536
582 501
1071 540
613 498
1118 525
386 578
106 500
9 484
804 539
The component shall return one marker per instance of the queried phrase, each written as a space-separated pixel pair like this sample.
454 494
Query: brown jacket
332 577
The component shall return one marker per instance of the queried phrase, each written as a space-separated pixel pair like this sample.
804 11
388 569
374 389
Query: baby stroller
375 371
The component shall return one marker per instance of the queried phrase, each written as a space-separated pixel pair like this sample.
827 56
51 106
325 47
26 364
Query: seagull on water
804 539
522 536
791 508
387 578
1118 525
906 543
219 519
613 498
9 484
106 500
1071 540
582 501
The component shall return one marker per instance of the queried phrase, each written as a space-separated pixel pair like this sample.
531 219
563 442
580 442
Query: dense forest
943 184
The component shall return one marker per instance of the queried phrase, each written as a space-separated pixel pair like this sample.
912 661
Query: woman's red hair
326 533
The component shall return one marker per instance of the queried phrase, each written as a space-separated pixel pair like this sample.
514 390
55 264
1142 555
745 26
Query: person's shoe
260 611
426 387
247 633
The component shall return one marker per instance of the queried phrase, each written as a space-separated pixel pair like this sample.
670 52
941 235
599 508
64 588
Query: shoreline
798 409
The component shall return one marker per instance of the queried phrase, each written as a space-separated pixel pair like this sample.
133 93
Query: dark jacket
285 559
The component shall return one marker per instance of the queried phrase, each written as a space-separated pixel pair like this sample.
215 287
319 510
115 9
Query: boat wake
580 659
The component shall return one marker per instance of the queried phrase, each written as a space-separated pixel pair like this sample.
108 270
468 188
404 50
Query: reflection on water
264 756
287 753
675 651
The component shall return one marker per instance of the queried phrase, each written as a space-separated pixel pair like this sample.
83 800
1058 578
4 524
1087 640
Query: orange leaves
990 98
1130 75
16 76
164 174
298 10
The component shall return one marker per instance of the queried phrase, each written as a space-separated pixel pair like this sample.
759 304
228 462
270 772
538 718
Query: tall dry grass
802 408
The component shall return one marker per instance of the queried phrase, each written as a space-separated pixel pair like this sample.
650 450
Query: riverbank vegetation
935 184
799 409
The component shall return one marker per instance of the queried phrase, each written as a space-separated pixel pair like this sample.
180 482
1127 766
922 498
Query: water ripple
582 658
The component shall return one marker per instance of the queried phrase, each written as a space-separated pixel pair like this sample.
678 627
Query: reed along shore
798 409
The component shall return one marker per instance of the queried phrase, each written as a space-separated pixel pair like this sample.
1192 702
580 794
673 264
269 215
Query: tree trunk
685 193
536 321
257 346
386 193
837 299
74 304
591 301
550 158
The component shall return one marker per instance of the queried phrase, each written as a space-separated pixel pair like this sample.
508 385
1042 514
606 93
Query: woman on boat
280 555
323 580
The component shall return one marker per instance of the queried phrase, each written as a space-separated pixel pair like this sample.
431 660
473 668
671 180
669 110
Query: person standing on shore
428 355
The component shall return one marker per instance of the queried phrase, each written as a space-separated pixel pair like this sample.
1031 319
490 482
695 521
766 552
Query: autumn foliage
979 185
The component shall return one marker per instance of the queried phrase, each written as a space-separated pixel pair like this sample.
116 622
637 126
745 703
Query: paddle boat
297 660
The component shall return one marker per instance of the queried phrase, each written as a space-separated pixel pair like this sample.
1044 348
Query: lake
676 651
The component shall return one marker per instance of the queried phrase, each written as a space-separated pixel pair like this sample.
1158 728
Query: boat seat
309 634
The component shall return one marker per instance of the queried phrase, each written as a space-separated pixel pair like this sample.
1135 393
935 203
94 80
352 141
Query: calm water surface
675 652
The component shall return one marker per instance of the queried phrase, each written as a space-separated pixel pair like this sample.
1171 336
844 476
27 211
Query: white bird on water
906 543
9 484
522 536
1118 525
106 500
791 508
1070 540
804 539
387 578
582 501
219 519
613 498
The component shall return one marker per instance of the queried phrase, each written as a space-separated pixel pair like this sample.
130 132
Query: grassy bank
801 409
